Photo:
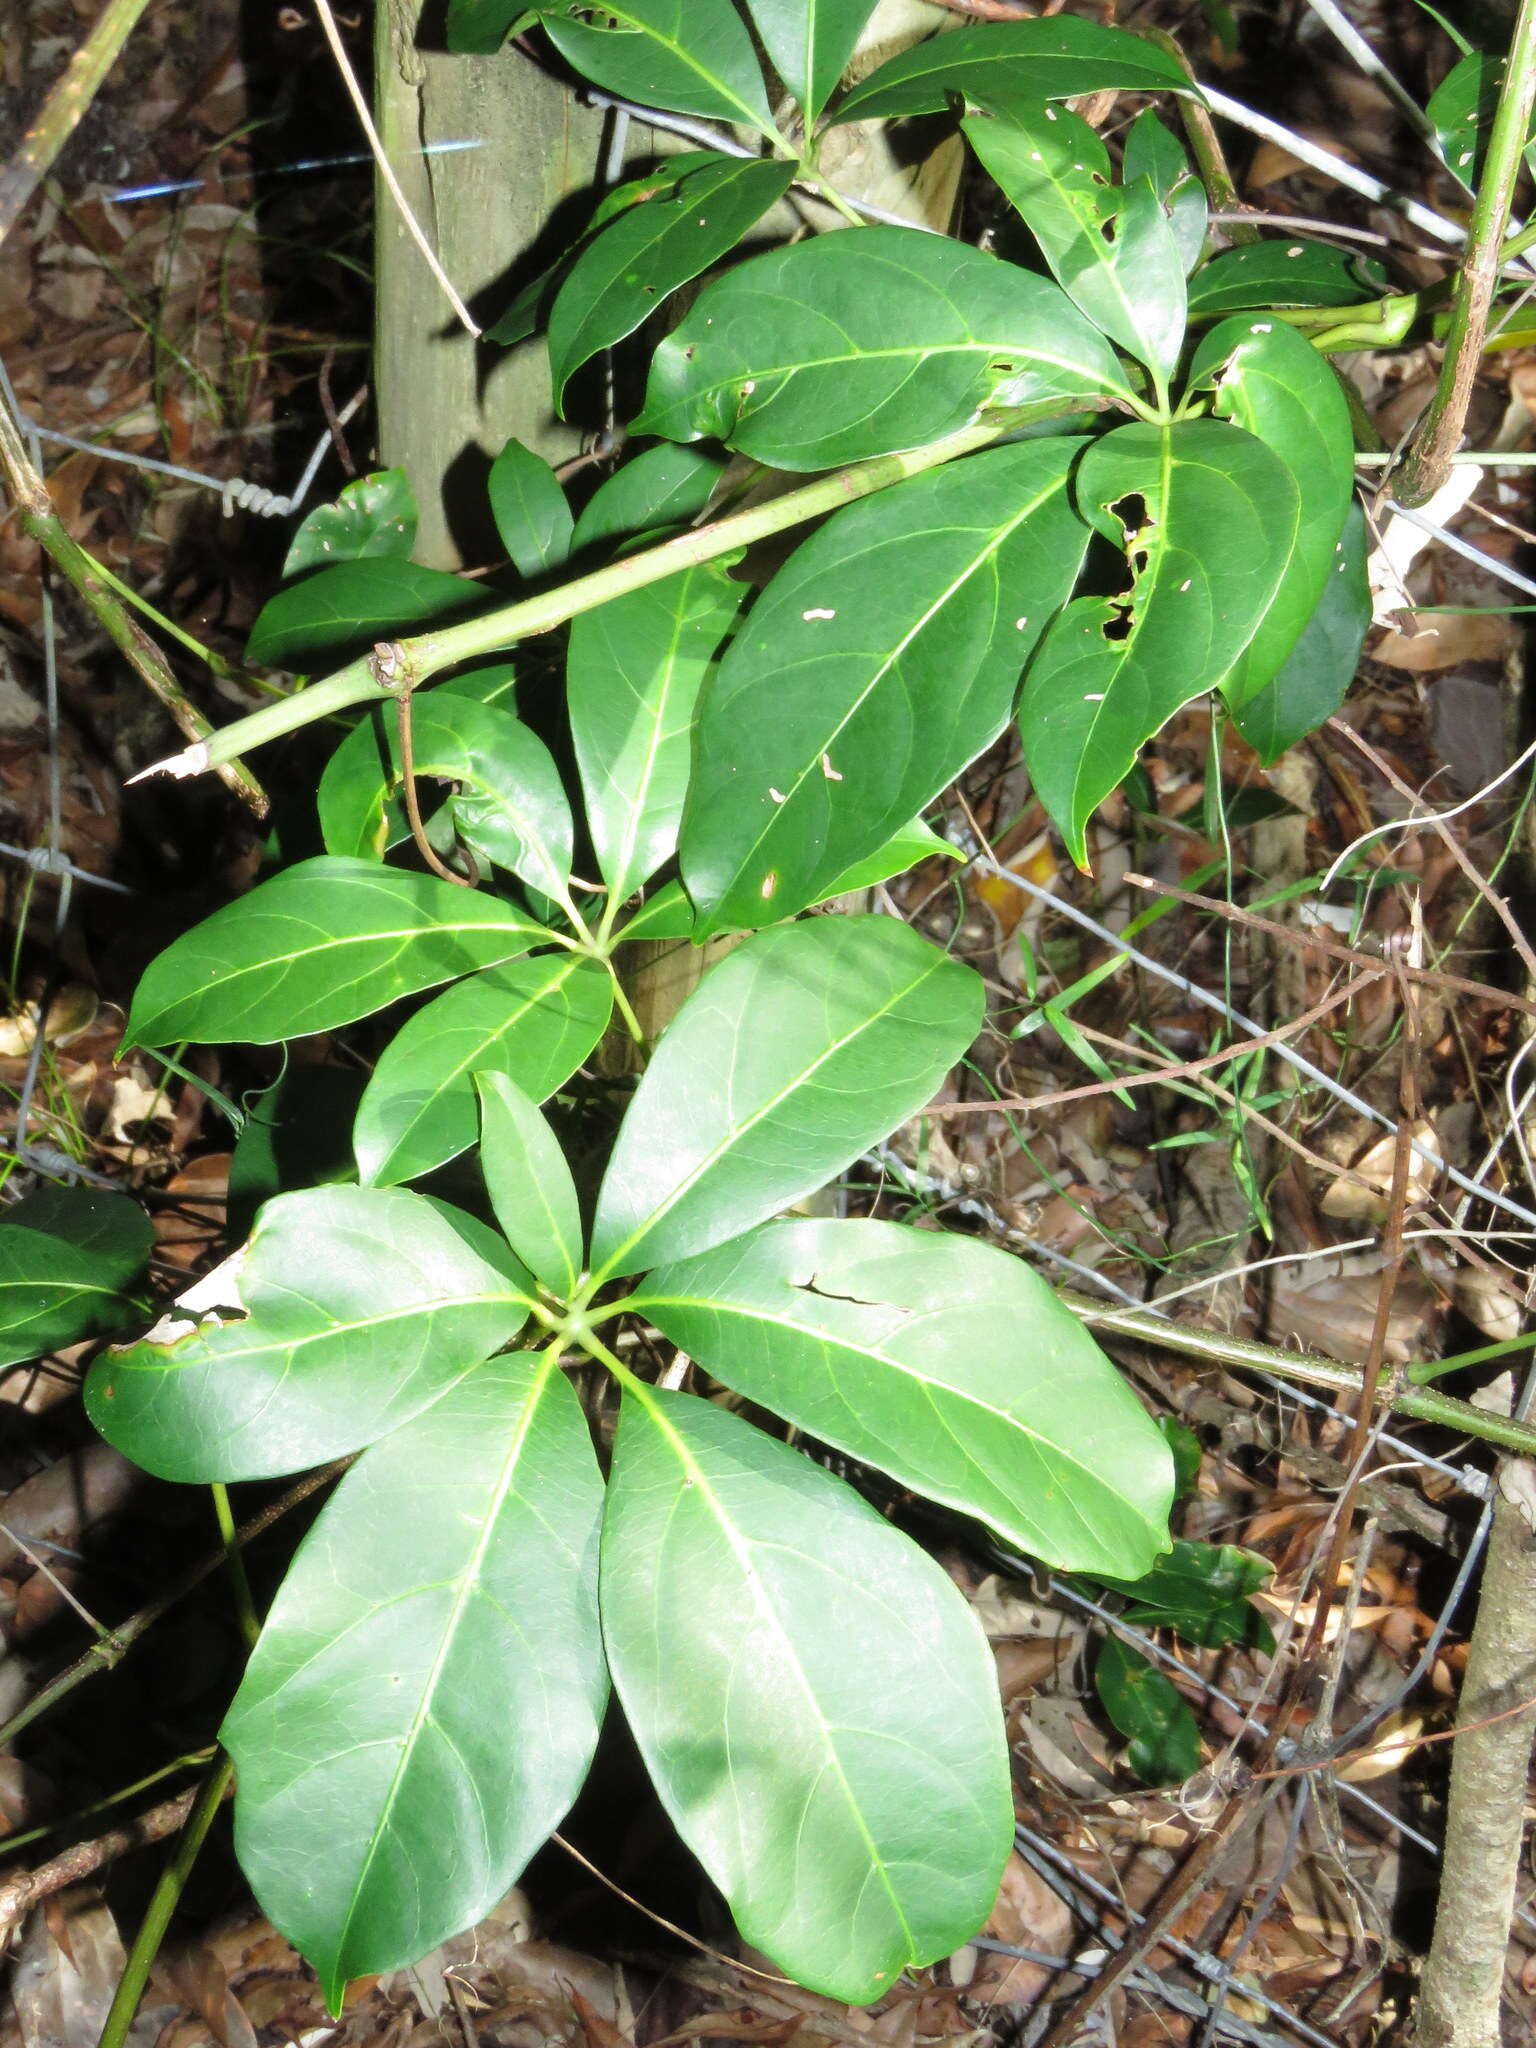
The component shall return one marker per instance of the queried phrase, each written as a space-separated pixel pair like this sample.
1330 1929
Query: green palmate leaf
529 1184
636 262
633 677
54 1292
535 1020
510 805
530 509
1110 248
811 1696
1012 64
320 945
376 515
425 1698
1206 512
1163 1736
882 658
1152 152
903 850
1267 379
354 602
809 43
349 1311
856 345
667 914
1291 273
1314 677
795 1053
665 486
689 56
942 1361
112 1231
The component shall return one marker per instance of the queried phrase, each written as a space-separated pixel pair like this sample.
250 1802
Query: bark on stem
61 112
1463 1980
1428 461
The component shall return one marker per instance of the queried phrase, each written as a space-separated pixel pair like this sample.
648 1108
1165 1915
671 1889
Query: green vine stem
64 107
1325 1373
493 632
163 1904
1428 460
38 518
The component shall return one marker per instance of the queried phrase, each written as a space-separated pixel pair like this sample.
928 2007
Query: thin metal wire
1494 1196
44 861
1344 32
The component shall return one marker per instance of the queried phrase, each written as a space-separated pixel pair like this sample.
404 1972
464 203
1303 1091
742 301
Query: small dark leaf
1163 1736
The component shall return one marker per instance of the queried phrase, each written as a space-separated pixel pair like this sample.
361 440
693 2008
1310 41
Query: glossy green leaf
111 1230
529 1184
348 1312
641 258
529 506
664 486
1155 153
1162 1734
1206 514
883 657
535 1020
633 677
509 804
796 1052
903 850
54 1293
425 1698
297 1135
809 43
1204 1591
850 346
1314 678
1110 247
667 914
944 1362
1461 111
1266 378
375 515
320 945
1289 273
353 603
689 56
810 1693
1005 65
478 28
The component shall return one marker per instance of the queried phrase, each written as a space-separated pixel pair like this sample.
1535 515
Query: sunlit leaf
689 56
797 1051
633 676
68 1258
1289 273
375 515
850 346
883 657
425 1698
1206 513
810 1693
942 1361
349 1311
1110 247
641 258
1154 153
320 945
529 1183
809 43
536 1020
665 485
1012 64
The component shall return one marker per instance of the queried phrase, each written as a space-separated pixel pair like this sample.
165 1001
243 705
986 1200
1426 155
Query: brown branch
1452 844
65 106
1350 956
19 1893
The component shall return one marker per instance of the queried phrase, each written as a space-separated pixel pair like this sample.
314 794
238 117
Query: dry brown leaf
1431 641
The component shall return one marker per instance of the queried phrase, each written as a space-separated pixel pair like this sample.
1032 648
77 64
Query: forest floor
192 287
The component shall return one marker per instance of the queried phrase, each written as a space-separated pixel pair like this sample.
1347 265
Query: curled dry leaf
1347 1201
